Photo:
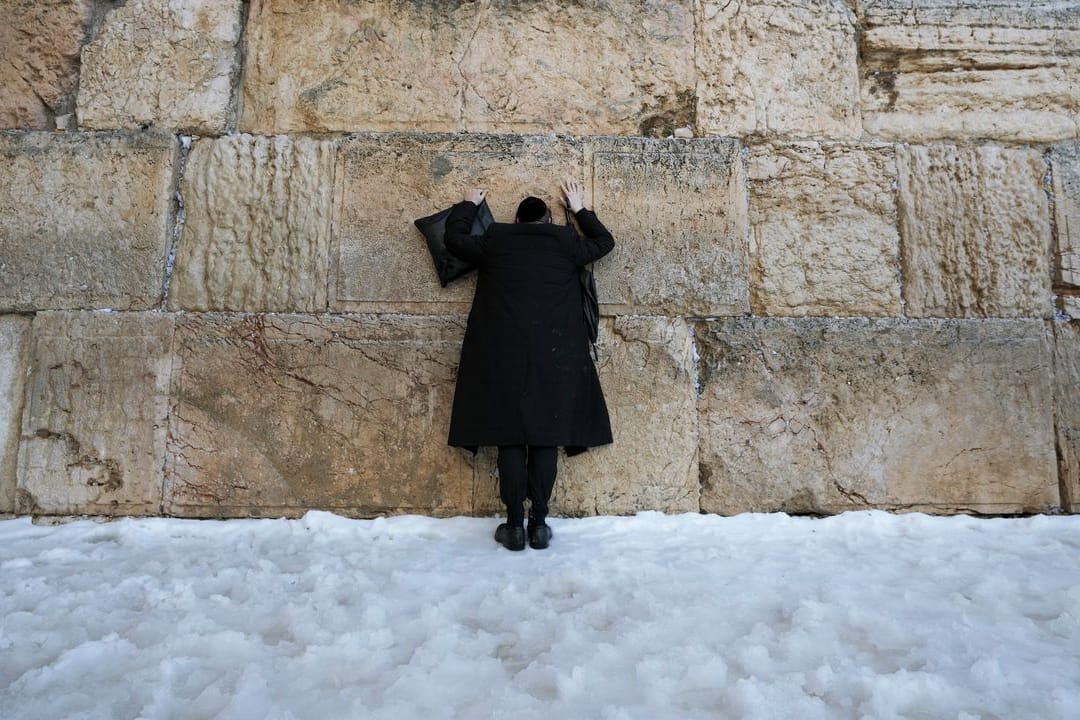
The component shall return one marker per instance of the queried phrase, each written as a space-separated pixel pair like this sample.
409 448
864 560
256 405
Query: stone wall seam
184 142
236 96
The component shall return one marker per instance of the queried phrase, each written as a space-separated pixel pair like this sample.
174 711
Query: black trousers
526 471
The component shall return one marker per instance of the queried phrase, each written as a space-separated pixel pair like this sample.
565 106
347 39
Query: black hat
531 209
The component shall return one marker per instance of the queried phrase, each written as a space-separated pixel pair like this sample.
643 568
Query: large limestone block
1067 411
824 415
166 63
93 438
1001 69
14 331
646 369
678 212
1065 166
274 414
257 225
39 60
380 260
975 231
824 238
609 66
85 220
778 68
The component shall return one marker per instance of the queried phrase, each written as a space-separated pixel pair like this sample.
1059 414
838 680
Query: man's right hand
475 195
574 193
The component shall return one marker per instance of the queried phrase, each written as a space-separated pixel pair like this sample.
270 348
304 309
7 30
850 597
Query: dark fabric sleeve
459 242
597 242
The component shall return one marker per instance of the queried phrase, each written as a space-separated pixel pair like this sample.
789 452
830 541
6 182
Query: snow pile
863 615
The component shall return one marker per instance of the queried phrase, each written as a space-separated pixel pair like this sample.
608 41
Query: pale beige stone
257 225
380 260
934 69
678 212
824 238
85 220
823 415
975 231
617 66
1065 166
1067 411
39 60
93 438
274 414
166 63
14 331
646 369
778 68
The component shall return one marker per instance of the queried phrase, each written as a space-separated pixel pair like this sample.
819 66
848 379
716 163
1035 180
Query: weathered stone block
165 63
823 415
275 414
257 225
824 238
380 259
1065 166
40 41
1067 411
93 438
646 368
975 230
678 212
69 241
935 69
778 68
612 66
14 331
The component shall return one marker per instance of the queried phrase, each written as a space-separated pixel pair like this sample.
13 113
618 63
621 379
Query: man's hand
475 195
574 193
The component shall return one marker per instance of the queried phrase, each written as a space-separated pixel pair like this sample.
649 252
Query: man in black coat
526 382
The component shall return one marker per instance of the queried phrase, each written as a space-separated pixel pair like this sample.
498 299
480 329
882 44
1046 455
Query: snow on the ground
863 615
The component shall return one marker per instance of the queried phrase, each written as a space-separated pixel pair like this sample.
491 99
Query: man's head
532 210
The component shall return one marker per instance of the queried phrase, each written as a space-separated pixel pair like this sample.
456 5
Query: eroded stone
975 229
934 69
1065 166
615 66
93 432
14 331
761 75
824 415
678 212
275 414
646 370
1067 411
67 243
39 65
162 63
257 225
824 238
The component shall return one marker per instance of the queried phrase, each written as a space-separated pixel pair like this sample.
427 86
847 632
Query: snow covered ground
863 615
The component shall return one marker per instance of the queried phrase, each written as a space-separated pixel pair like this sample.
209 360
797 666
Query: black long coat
526 376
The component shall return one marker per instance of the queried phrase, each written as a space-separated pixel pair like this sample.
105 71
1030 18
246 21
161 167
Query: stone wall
847 271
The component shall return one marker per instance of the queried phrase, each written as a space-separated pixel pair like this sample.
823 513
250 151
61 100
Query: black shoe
510 537
539 534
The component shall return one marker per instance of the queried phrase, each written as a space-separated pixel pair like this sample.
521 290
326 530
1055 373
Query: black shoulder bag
590 300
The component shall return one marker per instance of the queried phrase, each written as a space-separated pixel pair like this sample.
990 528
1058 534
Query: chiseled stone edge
17 328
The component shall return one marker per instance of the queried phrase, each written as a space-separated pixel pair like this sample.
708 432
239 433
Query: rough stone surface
975 231
778 68
604 66
257 225
678 212
646 369
165 63
274 414
93 438
823 415
824 237
14 330
39 60
64 243
1067 411
1065 166
934 69
380 258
